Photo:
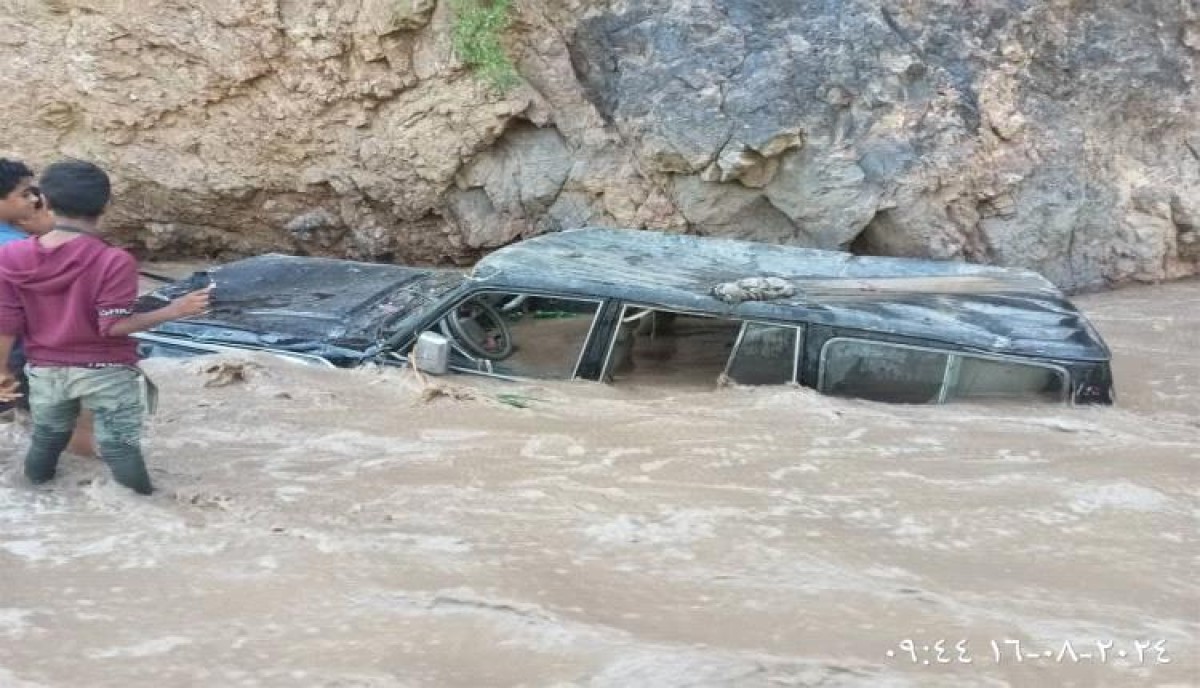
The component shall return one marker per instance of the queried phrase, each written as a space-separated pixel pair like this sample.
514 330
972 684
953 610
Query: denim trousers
112 394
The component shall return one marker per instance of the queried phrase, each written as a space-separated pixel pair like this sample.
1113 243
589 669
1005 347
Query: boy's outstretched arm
119 291
193 303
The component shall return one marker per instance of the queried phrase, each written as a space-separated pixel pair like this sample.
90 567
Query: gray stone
303 226
733 210
521 178
828 198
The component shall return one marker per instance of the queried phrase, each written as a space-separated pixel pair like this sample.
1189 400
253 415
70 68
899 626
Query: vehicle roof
993 309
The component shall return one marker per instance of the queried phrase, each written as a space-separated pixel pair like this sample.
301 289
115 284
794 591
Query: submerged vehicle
641 307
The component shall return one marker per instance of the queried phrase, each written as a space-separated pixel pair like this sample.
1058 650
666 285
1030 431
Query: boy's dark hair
11 174
75 188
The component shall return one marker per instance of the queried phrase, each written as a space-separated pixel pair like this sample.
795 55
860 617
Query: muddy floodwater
356 528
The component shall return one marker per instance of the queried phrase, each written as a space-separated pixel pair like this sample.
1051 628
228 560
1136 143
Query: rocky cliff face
1061 135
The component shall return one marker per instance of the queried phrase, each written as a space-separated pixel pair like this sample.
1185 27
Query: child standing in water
70 295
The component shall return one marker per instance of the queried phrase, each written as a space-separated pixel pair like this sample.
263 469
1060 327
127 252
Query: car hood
303 303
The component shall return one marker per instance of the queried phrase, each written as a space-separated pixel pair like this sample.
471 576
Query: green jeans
113 394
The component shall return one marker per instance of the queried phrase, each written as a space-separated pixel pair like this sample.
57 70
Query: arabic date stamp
1138 652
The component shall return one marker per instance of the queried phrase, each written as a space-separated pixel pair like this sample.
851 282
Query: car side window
661 347
882 371
978 378
764 355
521 335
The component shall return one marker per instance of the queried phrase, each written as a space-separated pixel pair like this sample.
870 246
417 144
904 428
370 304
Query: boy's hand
194 303
10 388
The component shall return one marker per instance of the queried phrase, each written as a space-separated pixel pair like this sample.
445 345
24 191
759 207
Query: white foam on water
1119 496
149 648
9 679
31 550
15 623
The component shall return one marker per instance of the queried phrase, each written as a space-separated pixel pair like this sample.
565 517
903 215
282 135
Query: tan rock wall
1048 135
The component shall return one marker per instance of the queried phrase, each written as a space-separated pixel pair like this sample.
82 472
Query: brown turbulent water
333 528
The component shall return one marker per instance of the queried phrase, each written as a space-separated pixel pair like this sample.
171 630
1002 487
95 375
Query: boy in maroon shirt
22 214
70 295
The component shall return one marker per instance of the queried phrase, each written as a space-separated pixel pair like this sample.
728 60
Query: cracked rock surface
1057 136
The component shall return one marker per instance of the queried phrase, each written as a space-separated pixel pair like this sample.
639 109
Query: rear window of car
884 371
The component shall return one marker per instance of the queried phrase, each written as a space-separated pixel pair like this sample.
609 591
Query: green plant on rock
478 25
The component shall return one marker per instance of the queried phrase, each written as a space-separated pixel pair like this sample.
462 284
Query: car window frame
952 364
798 329
596 315
623 306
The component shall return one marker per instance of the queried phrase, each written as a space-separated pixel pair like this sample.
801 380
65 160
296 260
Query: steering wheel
480 328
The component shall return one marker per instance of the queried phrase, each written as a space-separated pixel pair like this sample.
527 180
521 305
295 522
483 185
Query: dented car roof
994 309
